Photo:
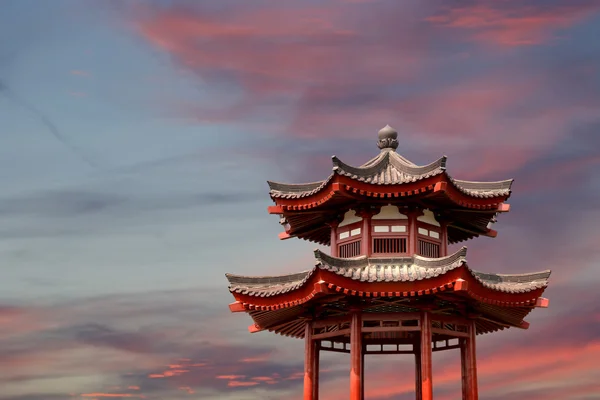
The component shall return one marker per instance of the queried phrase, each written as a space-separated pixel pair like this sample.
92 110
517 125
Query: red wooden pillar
426 367
333 240
463 368
356 379
309 355
418 387
444 239
317 350
366 240
413 242
471 365
362 373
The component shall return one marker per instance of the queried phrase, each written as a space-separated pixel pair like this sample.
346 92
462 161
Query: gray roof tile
390 168
400 269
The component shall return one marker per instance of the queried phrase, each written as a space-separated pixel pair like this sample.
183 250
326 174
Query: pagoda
389 284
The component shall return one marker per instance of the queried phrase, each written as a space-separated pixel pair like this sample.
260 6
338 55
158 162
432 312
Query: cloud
514 23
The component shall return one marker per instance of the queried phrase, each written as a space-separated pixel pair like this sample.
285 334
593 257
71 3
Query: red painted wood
471 363
426 366
317 348
362 373
333 239
309 354
542 302
418 386
381 191
444 239
305 293
463 369
237 307
356 356
366 245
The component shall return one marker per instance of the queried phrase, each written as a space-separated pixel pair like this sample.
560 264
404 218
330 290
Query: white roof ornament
388 138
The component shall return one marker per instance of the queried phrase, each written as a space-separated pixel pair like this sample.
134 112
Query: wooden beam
391 329
524 325
449 332
331 334
461 285
284 236
391 316
275 209
542 302
503 207
237 307
332 321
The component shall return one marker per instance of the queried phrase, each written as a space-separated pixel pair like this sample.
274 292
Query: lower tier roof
279 303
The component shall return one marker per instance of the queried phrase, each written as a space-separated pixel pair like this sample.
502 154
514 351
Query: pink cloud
513 24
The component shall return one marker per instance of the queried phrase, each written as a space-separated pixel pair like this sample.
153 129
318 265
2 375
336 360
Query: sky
136 138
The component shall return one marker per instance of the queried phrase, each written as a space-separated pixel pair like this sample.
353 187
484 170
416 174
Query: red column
362 373
413 246
334 236
317 348
463 369
426 370
309 354
366 246
356 356
418 389
471 366
444 238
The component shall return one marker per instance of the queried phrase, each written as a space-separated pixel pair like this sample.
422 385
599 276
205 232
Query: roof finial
387 138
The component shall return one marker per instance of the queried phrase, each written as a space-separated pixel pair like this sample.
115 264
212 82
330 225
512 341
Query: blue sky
136 138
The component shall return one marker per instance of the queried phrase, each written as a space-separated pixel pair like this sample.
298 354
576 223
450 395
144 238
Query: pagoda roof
468 207
399 269
388 285
390 168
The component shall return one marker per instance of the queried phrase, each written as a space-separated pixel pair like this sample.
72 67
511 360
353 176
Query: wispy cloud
515 23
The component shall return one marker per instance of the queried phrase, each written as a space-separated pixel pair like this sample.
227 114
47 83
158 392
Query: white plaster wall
389 212
428 218
349 218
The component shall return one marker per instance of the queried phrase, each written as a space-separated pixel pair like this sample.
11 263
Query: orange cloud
241 383
126 395
513 24
231 377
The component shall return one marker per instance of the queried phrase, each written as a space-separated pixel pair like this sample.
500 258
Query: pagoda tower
389 284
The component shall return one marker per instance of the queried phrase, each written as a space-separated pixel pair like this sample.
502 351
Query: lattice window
389 245
348 250
428 249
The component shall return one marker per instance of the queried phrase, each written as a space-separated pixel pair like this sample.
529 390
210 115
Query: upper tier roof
390 168
468 207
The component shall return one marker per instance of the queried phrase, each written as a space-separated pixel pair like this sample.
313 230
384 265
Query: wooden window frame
390 235
349 228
